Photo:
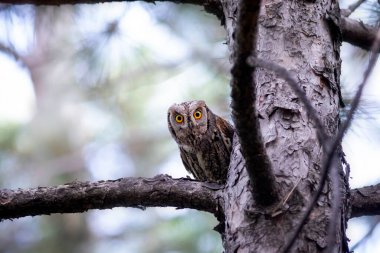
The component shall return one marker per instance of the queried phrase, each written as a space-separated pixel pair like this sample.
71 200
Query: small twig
353 7
12 52
367 235
337 140
276 211
291 192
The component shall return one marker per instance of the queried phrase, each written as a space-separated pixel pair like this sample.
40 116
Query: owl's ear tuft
171 108
202 102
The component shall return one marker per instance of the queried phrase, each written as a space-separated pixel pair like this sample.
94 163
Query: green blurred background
93 85
84 92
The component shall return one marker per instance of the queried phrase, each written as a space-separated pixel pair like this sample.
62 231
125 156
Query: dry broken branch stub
75 197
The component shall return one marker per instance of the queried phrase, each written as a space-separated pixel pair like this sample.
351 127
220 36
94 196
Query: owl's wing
184 160
227 131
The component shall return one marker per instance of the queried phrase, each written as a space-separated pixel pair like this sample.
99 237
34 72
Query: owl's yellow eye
179 118
197 114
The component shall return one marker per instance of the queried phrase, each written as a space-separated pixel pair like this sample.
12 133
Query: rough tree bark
128 192
304 37
297 35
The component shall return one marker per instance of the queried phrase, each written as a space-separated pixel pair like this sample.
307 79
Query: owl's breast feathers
208 158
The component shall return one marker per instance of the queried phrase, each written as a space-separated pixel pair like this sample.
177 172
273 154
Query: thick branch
243 94
159 191
358 34
365 201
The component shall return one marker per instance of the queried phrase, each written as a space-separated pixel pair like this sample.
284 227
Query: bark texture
243 95
300 36
76 197
82 196
365 201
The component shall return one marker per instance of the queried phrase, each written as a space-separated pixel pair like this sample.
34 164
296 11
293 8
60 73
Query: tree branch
365 201
352 8
74 197
357 33
244 109
354 32
211 6
60 2
366 236
12 53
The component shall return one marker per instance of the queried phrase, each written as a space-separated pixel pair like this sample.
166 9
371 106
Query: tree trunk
298 36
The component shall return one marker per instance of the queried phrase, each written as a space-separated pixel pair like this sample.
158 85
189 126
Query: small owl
204 140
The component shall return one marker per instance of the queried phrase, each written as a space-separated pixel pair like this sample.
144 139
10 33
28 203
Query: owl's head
188 120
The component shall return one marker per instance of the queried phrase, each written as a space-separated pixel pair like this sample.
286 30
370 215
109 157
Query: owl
204 140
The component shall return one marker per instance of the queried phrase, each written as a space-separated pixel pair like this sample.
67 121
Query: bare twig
354 32
353 7
60 2
12 53
243 106
76 197
336 142
212 6
367 235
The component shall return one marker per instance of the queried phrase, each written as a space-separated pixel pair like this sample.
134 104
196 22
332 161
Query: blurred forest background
84 92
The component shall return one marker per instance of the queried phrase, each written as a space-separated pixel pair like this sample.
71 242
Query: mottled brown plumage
204 140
